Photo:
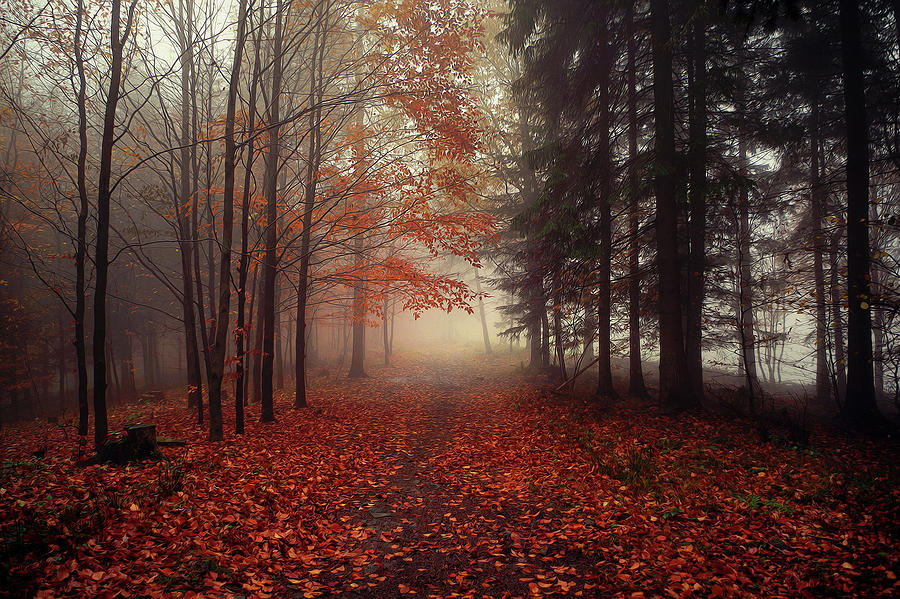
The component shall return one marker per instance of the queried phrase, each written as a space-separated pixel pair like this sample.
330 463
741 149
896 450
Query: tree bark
636 387
534 342
558 340
146 360
385 343
316 91
878 343
545 336
127 365
746 317
860 408
271 194
112 373
258 326
278 341
895 8
215 370
62 363
604 368
484 327
186 241
81 244
101 257
393 319
358 306
190 102
590 332
878 320
837 321
240 386
817 205
697 202
674 389
358 350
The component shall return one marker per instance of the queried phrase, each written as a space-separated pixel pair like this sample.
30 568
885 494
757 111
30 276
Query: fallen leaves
476 485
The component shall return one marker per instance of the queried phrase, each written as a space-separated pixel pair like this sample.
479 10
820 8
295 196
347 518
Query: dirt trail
440 520
454 476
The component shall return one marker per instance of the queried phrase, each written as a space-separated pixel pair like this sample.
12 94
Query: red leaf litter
450 478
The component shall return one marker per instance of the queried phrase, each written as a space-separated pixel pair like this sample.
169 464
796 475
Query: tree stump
138 443
141 436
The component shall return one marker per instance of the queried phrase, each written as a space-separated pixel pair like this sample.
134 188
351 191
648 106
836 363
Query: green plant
170 479
751 500
665 445
114 499
671 513
779 506
637 466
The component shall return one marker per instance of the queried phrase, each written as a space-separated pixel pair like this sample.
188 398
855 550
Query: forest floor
450 476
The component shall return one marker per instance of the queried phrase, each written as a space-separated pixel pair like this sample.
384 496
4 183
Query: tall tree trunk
252 345
358 352
860 407
385 342
288 340
127 365
145 362
62 363
674 389
271 195
198 277
783 343
817 205
187 239
211 224
534 302
558 335
545 336
112 373
697 202
157 368
878 315
746 317
215 370
604 157
895 8
837 321
636 387
147 351
484 327
278 353
344 337
192 101
43 395
878 341
192 351
590 332
316 91
259 327
81 247
358 308
101 257
240 384
534 341
393 320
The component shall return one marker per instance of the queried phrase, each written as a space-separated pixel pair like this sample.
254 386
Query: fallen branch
577 374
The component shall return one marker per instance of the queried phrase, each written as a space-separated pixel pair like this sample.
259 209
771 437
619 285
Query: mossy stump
137 444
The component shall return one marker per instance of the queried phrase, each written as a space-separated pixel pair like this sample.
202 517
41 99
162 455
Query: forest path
447 513
451 475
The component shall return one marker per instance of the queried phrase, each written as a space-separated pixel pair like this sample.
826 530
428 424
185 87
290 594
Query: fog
368 298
